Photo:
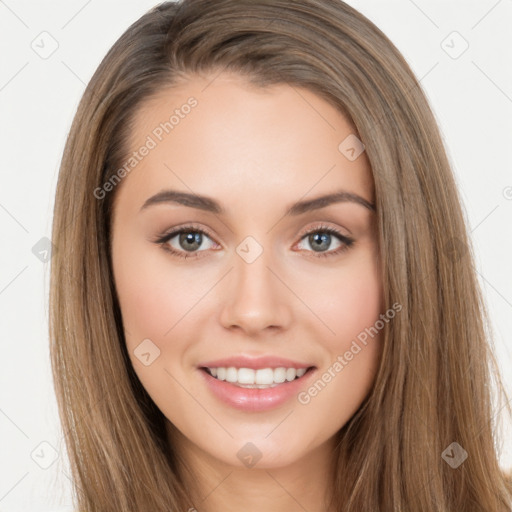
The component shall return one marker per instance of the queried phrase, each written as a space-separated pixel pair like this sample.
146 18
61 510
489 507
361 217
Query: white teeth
262 378
231 374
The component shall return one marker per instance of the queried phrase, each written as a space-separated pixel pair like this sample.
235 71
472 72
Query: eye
320 237
188 239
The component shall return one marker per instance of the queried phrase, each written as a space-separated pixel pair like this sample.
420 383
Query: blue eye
190 239
321 236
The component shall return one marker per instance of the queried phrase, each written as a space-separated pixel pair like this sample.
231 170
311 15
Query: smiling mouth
257 379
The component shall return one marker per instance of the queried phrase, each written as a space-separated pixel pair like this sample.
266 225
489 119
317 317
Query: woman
321 343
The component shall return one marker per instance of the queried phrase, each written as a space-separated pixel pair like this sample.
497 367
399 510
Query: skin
256 152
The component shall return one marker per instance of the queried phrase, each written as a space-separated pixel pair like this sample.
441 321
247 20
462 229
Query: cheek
152 296
351 309
349 302
154 304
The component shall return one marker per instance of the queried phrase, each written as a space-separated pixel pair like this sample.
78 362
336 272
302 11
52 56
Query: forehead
224 137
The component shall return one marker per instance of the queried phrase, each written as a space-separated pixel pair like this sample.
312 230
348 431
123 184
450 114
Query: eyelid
185 227
322 226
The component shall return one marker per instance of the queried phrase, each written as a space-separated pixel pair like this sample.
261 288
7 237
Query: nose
255 297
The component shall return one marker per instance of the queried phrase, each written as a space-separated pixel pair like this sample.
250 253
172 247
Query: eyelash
165 237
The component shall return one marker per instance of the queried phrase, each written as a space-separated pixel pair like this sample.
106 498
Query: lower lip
248 399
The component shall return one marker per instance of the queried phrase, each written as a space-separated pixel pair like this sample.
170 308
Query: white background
470 95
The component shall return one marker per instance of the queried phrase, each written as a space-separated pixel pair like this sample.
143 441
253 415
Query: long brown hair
437 374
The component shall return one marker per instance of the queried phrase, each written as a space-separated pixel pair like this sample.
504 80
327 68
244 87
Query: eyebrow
211 205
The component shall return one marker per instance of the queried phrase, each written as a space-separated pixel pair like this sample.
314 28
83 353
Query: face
242 273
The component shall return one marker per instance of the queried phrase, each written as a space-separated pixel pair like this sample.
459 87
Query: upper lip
242 361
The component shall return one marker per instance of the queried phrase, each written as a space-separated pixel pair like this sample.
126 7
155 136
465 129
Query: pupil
318 239
191 238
